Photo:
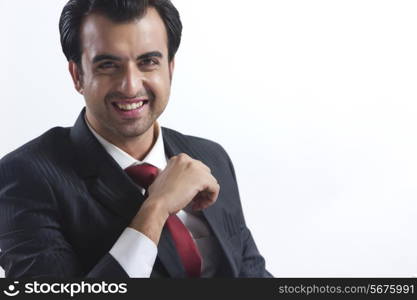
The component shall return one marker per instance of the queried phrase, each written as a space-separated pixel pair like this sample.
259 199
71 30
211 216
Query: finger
204 200
213 190
201 204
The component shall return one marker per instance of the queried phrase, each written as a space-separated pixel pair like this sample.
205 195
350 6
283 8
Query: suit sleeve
32 240
253 263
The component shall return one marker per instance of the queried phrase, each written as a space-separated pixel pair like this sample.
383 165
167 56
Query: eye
148 62
107 65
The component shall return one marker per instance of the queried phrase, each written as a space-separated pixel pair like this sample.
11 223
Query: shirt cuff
135 252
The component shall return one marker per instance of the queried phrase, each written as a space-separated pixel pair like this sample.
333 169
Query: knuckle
182 157
190 165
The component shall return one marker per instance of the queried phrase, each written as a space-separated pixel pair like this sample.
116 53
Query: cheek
95 90
160 84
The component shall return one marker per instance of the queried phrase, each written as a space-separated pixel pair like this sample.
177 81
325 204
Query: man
116 195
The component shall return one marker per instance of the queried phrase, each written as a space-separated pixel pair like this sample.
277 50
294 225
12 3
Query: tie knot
143 174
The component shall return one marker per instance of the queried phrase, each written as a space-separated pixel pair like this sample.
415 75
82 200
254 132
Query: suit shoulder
194 142
43 146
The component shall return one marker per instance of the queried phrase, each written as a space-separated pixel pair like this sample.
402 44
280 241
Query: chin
133 132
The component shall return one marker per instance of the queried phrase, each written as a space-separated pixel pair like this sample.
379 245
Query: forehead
99 35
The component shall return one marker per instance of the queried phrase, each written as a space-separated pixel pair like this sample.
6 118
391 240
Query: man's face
125 76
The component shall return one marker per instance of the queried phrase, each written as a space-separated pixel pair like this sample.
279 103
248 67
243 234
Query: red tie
144 175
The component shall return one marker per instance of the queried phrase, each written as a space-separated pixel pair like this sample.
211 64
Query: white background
315 101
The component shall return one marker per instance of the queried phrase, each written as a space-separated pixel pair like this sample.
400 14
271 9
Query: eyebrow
150 54
102 57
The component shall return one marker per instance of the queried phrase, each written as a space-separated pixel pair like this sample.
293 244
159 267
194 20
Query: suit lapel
215 221
214 216
105 180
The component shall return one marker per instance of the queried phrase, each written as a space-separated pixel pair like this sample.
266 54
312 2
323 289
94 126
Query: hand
184 181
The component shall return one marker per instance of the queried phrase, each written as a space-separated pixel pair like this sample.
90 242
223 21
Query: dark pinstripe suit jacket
64 202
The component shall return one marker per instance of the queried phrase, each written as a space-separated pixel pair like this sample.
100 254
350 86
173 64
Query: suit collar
155 157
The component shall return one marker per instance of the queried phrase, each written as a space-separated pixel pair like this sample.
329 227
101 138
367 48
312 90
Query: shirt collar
155 157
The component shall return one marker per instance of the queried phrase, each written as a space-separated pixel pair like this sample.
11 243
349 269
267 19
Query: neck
138 147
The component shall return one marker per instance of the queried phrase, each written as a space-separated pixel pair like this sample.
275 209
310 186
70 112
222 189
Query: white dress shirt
133 250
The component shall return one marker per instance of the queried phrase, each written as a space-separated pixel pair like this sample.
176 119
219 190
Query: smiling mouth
129 106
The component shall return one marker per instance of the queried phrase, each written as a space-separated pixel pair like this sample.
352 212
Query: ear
75 75
171 67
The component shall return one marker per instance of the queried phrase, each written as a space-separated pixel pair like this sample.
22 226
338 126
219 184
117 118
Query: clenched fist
184 181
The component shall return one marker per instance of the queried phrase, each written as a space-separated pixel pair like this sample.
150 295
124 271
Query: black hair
118 11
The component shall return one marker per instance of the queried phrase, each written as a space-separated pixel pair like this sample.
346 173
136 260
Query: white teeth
131 106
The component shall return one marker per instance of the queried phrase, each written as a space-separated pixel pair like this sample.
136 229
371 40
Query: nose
132 81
